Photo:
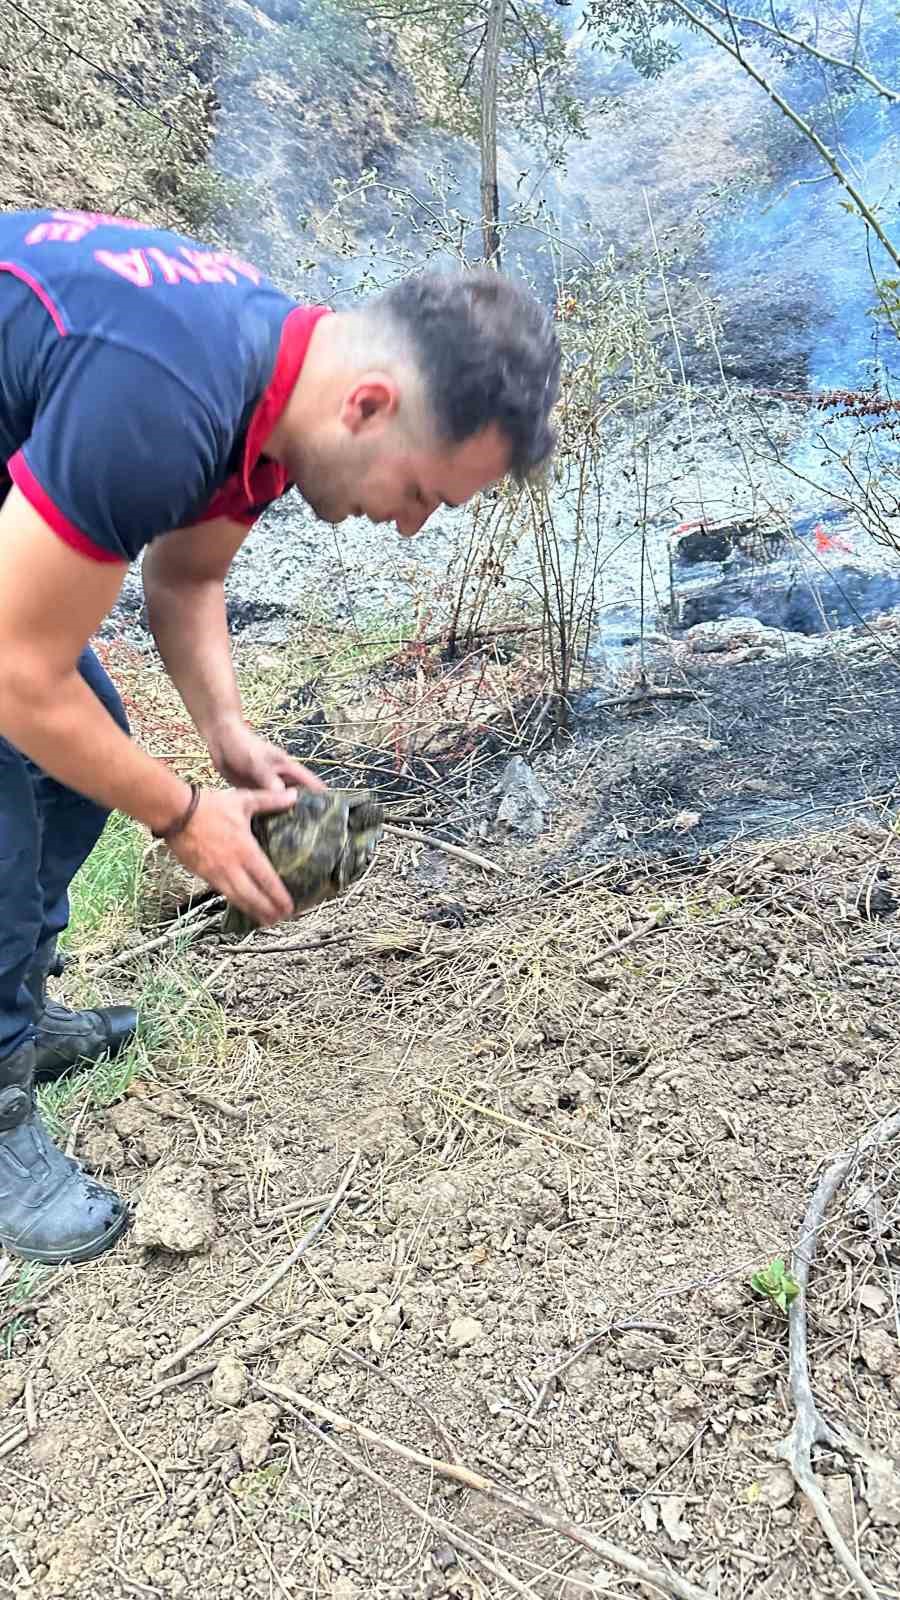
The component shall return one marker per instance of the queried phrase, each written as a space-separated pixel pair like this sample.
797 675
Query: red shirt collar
295 336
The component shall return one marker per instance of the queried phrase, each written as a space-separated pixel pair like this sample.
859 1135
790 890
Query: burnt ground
776 745
556 1133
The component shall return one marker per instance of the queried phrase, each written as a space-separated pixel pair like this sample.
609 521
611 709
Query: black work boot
49 1209
68 1039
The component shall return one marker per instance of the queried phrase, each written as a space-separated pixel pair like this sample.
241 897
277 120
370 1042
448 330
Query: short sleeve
120 451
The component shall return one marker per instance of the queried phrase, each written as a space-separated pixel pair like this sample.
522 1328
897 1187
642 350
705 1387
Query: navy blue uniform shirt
140 376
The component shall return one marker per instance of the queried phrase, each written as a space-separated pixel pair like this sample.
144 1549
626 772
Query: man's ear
372 402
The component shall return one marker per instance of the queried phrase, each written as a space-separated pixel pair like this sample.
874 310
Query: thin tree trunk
490 195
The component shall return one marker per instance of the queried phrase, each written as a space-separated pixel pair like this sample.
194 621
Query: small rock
12 1385
874 1298
359 1277
585 1377
464 1331
641 1351
255 1427
100 1148
175 1210
685 821
524 799
344 1589
230 1382
839 1494
577 1089
879 1352
776 1488
883 1496
638 1452
125 1347
74 1558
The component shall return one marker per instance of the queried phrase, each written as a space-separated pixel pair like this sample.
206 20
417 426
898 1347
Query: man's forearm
66 731
190 627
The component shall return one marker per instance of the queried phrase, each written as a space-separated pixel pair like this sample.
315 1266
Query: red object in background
826 542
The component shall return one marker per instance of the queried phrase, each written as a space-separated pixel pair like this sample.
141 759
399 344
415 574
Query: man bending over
155 397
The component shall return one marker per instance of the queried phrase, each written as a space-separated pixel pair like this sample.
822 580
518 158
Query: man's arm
52 599
184 575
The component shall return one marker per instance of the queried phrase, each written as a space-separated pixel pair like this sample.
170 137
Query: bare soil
557 1134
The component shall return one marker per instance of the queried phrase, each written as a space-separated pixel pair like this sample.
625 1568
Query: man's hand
248 761
217 845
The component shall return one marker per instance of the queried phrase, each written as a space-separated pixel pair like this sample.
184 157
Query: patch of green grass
179 1014
101 1085
104 892
29 1276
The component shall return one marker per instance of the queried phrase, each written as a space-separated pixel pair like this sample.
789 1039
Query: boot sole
88 1252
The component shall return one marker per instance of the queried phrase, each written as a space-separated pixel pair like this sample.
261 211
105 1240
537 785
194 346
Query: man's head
424 397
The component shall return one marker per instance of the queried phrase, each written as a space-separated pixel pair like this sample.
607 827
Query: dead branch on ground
810 1427
545 1516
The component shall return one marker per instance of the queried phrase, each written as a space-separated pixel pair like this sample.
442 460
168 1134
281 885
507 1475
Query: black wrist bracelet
180 823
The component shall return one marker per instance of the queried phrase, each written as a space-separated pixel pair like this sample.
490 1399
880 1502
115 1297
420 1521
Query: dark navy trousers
46 832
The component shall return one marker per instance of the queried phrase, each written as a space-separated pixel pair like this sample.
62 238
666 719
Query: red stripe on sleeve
37 497
37 288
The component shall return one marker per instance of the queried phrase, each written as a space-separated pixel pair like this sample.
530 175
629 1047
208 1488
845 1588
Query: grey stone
523 799
230 1382
176 1211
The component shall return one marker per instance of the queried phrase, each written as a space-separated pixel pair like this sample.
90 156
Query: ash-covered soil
558 1134
725 456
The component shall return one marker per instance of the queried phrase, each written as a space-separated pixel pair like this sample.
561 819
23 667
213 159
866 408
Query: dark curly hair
487 353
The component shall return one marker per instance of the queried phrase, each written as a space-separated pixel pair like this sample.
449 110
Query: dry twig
31 1419
274 948
661 915
545 1516
12 1442
447 1530
455 850
181 926
265 1288
126 1443
810 1427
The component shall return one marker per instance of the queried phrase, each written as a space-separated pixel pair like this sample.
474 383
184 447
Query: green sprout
776 1283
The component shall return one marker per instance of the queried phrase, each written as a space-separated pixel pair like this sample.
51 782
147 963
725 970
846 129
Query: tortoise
319 847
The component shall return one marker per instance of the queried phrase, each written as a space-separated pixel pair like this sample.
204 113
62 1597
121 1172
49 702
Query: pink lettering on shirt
61 232
210 270
130 264
173 270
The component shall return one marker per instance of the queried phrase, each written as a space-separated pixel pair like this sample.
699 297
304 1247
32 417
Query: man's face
371 463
